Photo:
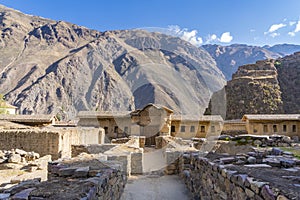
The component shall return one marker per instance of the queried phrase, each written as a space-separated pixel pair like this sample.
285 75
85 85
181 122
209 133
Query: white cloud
297 29
252 30
226 37
193 37
292 23
211 38
292 34
273 35
275 27
190 36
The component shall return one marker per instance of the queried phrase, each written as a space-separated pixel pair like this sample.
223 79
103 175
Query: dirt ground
153 187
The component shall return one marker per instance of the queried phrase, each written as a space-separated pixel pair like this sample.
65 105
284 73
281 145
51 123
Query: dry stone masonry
242 176
74 179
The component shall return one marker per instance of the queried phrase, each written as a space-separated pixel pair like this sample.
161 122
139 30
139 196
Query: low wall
208 180
131 158
90 148
84 178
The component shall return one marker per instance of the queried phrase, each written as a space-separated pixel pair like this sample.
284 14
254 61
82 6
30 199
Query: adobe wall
55 141
258 128
40 141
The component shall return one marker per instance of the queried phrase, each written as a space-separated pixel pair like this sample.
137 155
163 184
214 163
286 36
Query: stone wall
128 154
90 148
79 178
53 141
208 180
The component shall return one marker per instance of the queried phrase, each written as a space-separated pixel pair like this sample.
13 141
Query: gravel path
153 187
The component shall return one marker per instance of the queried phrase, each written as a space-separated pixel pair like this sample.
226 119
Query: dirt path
154 187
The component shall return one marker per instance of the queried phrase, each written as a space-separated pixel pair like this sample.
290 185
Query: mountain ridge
58 67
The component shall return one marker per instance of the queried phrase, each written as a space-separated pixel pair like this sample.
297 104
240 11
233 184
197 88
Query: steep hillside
283 49
50 67
266 87
229 58
288 69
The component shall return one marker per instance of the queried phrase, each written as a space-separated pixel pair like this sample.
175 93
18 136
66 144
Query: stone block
23 195
137 160
267 193
227 160
256 186
4 196
14 158
81 172
281 197
249 193
68 171
251 160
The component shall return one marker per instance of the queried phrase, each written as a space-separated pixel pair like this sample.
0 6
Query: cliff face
288 69
50 67
267 87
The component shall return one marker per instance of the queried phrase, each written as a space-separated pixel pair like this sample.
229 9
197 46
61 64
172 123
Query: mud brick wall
208 180
42 142
55 142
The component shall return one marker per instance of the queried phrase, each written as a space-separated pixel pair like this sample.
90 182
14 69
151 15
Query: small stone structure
130 155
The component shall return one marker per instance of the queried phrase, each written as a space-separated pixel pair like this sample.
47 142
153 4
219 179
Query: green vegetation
277 64
2 104
295 151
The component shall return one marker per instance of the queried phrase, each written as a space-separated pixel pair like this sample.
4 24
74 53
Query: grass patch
295 151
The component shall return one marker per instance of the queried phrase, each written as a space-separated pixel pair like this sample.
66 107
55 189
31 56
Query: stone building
30 120
151 121
115 124
188 127
234 127
281 124
6 108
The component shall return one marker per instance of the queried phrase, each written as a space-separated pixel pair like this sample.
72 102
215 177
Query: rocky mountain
266 87
283 49
57 67
229 58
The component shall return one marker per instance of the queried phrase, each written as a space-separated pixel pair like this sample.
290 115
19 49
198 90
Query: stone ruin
18 165
83 177
255 169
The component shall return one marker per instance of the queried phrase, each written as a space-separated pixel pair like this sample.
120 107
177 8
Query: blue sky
254 22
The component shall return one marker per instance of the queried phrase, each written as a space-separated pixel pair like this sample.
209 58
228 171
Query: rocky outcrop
254 89
288 69
53 66
267 87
